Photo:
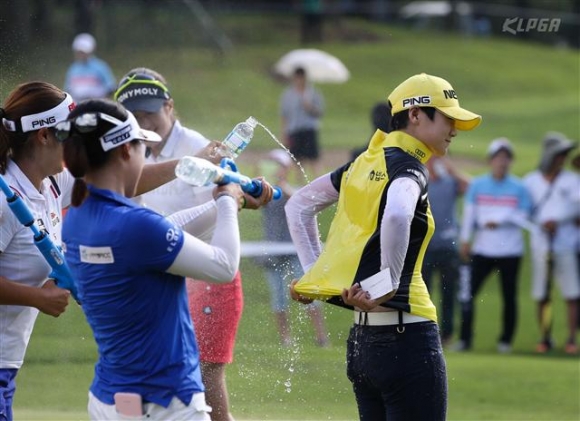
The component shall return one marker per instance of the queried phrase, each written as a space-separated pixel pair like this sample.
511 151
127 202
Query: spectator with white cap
556 207
88 76
496 207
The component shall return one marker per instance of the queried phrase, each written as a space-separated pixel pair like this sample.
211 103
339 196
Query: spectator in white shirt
556 206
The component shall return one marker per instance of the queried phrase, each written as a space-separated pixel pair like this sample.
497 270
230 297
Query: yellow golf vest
352 249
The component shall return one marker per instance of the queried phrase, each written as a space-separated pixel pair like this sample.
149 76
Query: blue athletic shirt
118 252
92 78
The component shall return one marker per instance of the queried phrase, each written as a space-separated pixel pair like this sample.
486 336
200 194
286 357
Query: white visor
48 118
125 131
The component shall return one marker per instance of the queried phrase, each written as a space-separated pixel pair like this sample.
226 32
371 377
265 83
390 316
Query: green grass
522 91
268 382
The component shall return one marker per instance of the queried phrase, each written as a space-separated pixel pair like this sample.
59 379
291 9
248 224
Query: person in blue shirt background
88 76
130 264
497 207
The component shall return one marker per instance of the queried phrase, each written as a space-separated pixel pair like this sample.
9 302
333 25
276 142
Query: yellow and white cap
424 90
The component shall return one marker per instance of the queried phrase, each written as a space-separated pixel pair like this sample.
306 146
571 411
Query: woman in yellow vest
371 262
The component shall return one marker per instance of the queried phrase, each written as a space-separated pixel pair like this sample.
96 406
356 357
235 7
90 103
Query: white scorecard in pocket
379 284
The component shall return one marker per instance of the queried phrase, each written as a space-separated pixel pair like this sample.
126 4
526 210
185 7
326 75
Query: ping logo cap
424 90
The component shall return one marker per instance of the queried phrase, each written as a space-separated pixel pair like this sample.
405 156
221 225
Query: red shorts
216 310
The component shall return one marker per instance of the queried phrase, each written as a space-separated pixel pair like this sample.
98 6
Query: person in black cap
556 203
215 309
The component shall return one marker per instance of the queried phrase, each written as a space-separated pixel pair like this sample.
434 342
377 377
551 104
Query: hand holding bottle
200 172
264 198
214 152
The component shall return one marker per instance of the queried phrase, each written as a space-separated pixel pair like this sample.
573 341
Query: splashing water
290 154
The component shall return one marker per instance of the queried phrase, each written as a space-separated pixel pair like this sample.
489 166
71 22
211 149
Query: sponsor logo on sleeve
172 236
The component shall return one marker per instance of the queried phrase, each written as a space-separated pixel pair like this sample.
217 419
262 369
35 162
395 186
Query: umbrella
320 66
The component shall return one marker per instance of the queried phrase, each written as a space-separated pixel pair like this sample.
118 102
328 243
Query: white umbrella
320 66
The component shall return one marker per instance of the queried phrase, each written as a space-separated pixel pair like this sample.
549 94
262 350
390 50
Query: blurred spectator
576 166
301 107
556 206
88 76
311 22
446 186
279 268
496 207
380 120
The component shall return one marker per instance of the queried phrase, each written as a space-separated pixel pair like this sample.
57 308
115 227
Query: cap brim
148 136
149 105
464 119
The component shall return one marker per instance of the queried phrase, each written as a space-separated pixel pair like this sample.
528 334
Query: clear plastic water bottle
240 137
196 171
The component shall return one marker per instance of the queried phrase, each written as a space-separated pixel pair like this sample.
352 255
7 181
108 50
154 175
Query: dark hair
381 116
401 119
26 99
299 71
83 151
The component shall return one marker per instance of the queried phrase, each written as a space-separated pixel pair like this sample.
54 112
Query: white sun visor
125 132
48 118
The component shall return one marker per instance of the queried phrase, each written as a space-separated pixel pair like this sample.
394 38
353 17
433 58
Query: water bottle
197 172
240 137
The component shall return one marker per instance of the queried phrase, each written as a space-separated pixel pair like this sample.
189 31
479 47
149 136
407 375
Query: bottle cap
252 121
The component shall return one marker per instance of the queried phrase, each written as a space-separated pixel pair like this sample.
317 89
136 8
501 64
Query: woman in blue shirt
130 263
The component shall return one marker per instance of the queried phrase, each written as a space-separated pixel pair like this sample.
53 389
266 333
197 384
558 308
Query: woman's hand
231 189
266 196
297 297
52 299
213 152
357 297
